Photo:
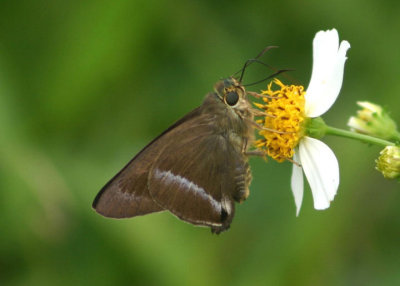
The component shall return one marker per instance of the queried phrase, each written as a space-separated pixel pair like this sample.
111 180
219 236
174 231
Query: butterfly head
233 94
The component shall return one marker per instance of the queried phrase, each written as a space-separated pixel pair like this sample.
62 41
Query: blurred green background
84 85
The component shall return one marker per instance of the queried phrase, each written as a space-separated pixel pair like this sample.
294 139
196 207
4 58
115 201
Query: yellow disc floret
284 110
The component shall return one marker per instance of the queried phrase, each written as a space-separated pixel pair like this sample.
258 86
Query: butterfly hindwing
127 194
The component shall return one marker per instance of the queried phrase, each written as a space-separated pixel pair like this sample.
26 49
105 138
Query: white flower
317 160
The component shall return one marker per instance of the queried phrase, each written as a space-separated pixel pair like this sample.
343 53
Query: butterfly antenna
269 77
250 61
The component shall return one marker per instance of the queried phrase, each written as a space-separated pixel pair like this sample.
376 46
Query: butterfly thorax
230 111
225 120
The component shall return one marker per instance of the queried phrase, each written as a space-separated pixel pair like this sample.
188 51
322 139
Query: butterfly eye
231 98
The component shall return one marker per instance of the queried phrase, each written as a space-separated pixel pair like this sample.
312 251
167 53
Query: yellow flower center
284 108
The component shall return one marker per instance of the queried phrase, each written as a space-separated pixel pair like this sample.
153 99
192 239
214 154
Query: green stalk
357 136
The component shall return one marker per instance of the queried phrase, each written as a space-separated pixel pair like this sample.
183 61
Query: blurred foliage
85 84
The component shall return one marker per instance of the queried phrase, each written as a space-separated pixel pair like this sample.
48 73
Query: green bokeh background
84 85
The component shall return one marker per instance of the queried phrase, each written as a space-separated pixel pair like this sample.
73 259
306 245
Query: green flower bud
375 121
388 162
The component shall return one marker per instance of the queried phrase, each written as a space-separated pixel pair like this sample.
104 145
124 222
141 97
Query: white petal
321 169
297 183
356 123
370 106
327 73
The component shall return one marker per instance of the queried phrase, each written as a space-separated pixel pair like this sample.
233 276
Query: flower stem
357 136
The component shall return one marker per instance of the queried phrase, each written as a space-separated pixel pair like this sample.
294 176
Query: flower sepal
316 127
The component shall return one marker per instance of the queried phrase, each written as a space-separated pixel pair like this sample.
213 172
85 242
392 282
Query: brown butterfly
196 169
